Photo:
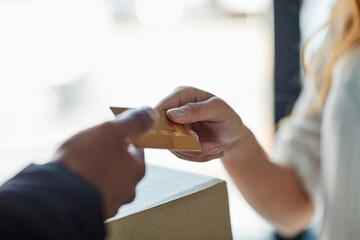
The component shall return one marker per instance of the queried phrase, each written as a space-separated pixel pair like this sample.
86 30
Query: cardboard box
174 205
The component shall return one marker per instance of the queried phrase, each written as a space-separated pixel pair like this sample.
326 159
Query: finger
181 96
138 156
212 109
207 148
214 151
136 121
196 158
121 199
193 134
137 153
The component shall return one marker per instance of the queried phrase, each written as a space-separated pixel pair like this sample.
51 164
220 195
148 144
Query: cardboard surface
164 135
174 205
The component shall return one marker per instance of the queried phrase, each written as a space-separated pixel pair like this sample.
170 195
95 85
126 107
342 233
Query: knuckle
131 197
194 108
185 91
140 171
112 211
183 88
108 129
108 126
217 100
221 105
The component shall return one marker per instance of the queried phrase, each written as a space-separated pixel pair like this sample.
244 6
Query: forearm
273 190
50 202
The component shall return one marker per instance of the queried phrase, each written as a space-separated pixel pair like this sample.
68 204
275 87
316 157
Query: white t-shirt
313 15
323 148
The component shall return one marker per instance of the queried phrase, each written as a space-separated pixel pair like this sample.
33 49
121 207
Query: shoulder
346 74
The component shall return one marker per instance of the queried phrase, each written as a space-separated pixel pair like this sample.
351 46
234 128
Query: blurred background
64 62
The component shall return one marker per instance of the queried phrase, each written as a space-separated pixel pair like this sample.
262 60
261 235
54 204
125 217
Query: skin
272 190
101 156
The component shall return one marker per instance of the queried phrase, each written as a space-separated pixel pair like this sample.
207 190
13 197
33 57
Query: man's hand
101 156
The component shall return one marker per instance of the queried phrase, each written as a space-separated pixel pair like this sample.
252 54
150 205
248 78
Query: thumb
136 121
209 110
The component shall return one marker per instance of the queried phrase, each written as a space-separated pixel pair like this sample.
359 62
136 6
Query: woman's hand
273 190
215 124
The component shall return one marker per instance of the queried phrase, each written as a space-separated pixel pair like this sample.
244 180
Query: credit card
164 135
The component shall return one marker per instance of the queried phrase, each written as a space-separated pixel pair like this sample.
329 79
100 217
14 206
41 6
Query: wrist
234 147
244 149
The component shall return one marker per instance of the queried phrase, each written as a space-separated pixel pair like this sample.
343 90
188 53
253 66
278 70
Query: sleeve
297 145
49 202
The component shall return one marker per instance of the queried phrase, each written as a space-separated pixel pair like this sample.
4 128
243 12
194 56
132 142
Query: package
174 205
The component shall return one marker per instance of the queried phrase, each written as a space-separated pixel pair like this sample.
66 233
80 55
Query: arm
94 173
273 190
48 202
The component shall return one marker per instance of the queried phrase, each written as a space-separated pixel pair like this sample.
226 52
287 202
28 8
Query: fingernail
154 114
215 151
194 135
176 113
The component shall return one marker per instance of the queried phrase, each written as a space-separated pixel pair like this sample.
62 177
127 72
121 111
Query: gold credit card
164 135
